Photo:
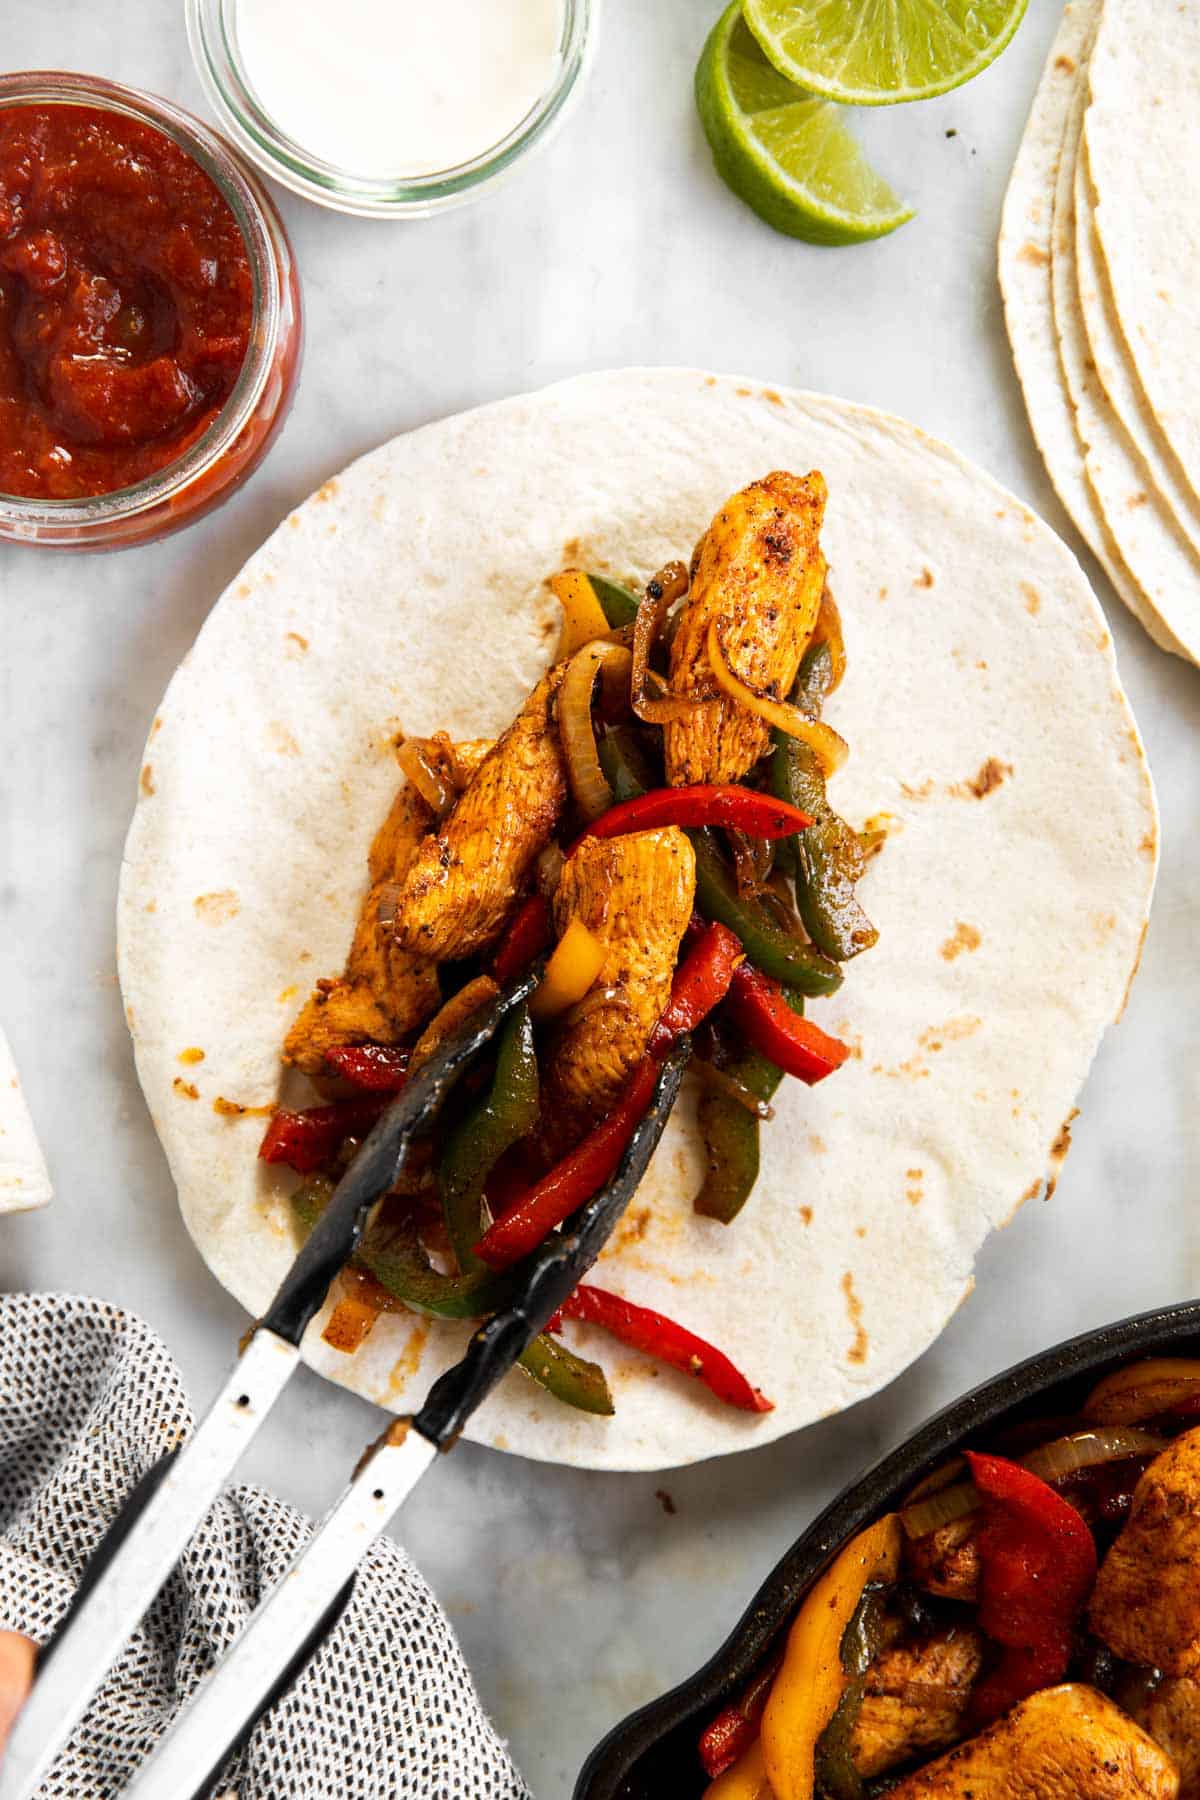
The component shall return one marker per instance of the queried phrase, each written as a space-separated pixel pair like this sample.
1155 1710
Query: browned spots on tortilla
408 1363
772 396
295 638
294 521
1058 1151
816 1144
883 593
151 906
914 1069
882 824
914 1193
216 908
156 727
188 1089
1033 253
922 792
966 937
547 629
572 550
286 994
857 1353
1065 64
1149 843
282 739
1103 923
233 1109
243 591
327 490
1032 1191
191 1055
744 392
992 775
1033 600
981 663
1102 642
666 1502
952 1032
924 579
633 1228
147 779
1141 498
806 1214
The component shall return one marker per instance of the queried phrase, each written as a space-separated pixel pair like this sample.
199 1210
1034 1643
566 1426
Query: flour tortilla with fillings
988 731
1152 546
1143 143
1026 235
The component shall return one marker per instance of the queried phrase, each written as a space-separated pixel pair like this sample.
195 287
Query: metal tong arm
256 1670
145 1540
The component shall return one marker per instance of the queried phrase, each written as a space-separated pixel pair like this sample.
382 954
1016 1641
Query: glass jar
212 31
238 437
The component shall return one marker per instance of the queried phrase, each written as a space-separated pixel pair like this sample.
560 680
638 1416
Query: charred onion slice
1144 1389
830 749
1055 1461
660 709
589 785
427 774
583 615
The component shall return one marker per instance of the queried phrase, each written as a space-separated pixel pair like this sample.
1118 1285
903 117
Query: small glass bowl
238 438
213 37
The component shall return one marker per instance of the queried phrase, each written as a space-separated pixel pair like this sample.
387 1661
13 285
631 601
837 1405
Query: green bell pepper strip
836 1776
626 764
731 1138
826 860
766 942
618 605
395 1258
506 1113
568 1377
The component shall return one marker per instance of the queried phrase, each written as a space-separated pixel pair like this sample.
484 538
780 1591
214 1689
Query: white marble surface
576 1596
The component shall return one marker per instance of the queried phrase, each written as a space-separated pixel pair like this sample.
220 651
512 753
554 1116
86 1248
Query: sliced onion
596 1000
751 863
949 1503
828 630
660 708
830 749
428 776
1143 1390
1088 1449
1052 1462
723 1083
589 784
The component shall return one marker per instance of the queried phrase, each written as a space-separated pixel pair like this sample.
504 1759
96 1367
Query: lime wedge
875 52
784 152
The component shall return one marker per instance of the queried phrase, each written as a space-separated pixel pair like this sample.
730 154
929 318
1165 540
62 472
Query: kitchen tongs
150 1533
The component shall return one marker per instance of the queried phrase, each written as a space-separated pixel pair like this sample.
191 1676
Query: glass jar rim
229 89
239 189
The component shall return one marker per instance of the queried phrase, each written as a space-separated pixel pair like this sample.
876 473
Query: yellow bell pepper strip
570 972
747 1780
583 615
809 1687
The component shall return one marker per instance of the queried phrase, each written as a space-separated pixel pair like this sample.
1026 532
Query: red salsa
126 300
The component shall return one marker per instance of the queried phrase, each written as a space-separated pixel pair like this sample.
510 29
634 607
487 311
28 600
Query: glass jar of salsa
150 323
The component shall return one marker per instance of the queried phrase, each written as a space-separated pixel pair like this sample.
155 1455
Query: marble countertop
617 246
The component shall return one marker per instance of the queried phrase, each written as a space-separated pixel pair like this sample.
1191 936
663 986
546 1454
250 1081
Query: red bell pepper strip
733 1731
526 938
307 1140
769 1025
570 1182
701 980
378 1068
1037 1567
665 1341
741 808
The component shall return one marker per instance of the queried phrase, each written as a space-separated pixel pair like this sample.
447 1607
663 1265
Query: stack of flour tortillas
1098 264
24 1182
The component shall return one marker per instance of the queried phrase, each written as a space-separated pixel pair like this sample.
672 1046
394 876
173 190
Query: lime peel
881 52
785 152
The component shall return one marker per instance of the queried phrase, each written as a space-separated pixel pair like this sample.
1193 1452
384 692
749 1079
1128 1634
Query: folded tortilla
24 1178
989 735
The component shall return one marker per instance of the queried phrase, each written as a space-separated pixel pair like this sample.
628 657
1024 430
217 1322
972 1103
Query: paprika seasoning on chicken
126 301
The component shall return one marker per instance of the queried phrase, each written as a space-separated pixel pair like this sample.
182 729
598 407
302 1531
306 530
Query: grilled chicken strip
1063 1743
916 1700
635 894
467 879
1171 1714
758 571
385 992
1146 1602
946 1561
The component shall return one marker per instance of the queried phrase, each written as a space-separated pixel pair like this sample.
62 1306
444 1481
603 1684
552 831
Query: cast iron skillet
652 1753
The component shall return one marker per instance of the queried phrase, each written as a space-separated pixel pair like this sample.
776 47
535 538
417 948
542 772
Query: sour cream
382 88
